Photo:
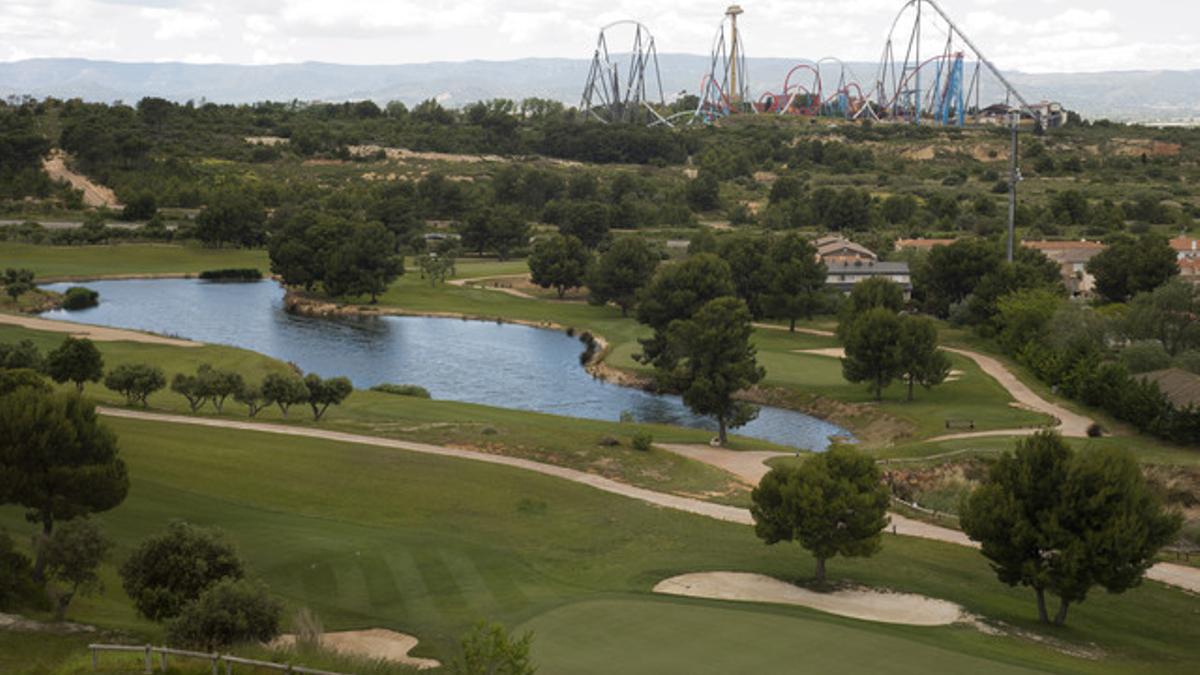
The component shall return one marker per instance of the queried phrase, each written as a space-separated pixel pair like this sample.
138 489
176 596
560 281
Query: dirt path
97 333
463 283
93 194
860 603
1180 576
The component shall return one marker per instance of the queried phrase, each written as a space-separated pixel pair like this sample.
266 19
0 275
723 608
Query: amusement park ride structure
930 73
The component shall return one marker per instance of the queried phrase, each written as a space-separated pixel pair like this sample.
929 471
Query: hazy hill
1127 95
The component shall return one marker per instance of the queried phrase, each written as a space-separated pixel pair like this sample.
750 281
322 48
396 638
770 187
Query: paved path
515 292
1187 578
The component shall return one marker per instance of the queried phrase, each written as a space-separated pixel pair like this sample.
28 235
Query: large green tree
17 282
323 393
676 292
795 280
873 355
232 216
865 296
172 568
559 262
715 360
1169 314
57 459
1131 266
833 504
75 360
1061 521
749 265
921 362
73 555
364 263
621 271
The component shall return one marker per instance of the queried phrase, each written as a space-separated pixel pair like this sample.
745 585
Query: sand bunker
376 643
861 603
832 352
97 333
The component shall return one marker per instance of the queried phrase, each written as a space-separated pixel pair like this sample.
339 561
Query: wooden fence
215 659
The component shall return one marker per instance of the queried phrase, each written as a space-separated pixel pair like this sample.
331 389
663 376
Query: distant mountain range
1143 96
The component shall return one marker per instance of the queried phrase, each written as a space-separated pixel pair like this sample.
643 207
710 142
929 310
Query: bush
413 390
489 649
78 297
1143 357
609 441
16 576
642 441
1095 430
232 274
173 568
229 613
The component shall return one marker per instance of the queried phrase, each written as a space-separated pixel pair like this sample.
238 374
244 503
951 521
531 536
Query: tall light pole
1014 177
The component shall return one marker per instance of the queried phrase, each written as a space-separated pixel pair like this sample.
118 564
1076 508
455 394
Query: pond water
501 365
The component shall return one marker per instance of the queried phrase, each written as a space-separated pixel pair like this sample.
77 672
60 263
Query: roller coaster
930 72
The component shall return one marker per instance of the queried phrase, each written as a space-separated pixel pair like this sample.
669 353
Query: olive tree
324 393
135 381
284 391
1061 521
832 504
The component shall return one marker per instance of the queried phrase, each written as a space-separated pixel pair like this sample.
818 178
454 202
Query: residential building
1072 257
1186 248
836 250
843 275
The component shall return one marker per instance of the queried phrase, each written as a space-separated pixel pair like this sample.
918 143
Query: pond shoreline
298 302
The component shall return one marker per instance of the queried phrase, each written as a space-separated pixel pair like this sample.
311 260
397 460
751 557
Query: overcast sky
1028 35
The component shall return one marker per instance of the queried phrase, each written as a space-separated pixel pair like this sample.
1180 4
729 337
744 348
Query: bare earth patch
94 194
375 643
97 333
860 603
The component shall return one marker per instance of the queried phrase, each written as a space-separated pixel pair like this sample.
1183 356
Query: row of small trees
77 360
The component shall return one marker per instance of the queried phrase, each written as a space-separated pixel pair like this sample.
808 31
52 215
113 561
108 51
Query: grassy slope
550 438
379 537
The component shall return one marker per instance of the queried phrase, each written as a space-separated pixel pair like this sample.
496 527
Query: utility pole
1014 177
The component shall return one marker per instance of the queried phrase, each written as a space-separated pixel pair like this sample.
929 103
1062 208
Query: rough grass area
428 545
68 262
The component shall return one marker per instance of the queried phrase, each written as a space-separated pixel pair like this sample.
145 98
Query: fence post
95 658
228 667
162 661
215 657
149 664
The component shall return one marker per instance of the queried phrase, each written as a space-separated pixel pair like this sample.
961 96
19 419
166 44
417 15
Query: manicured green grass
56 262
429 545
643 636
565 441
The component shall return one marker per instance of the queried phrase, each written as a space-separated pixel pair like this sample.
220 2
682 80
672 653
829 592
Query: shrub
489 649
1143 357
642 441
232 274
413 390
229 613
1095 430
609 441
16 575
23 354
173 568
78 297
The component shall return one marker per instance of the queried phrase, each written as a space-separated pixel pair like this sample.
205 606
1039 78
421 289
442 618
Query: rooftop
869 267
902 244
1180 387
